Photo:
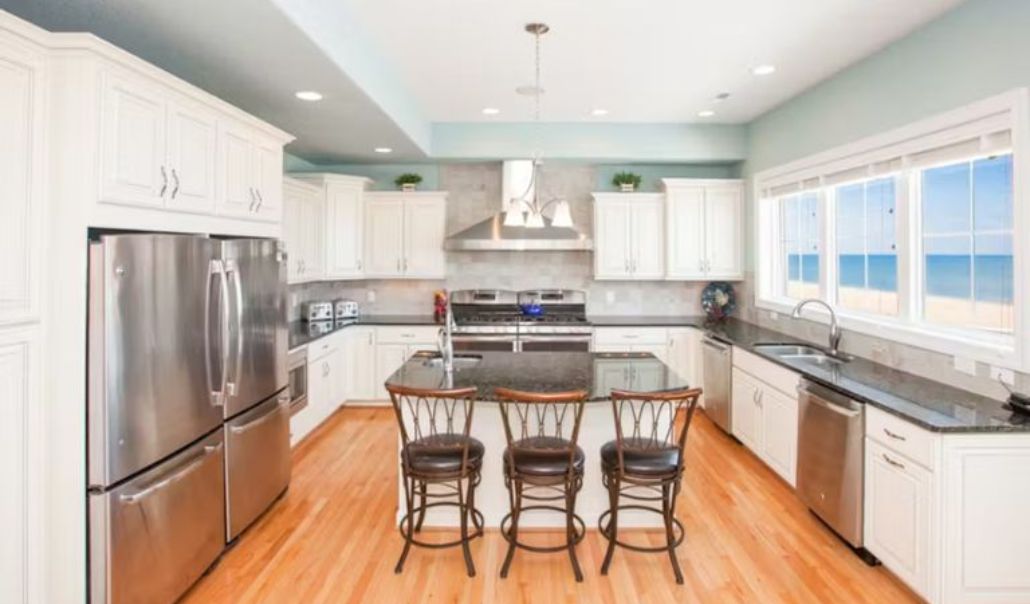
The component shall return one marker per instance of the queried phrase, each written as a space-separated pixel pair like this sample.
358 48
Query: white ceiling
643 60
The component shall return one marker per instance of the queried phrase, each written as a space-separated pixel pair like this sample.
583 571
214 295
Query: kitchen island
597 373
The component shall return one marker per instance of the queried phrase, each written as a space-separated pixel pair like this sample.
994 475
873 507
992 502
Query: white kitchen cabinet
780 432
747 414
394 346
192 157
765 412
389 357
251 174
303 230
133 151
898 495
629 236
341 225
684 355
360 355
404 235
22 173
704 222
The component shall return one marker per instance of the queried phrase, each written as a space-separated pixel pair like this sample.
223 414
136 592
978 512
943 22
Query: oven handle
556 338
496 337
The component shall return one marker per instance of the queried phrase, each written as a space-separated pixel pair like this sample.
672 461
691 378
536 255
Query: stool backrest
428 419
533 421
648 420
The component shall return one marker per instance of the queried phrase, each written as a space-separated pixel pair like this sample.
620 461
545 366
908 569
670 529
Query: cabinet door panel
21 180
192 148
313 230
344 234
746 419
389 358
723 218
612 241
686 233
268 181
780 432
424 225
384 232
897 524
133 167
648 241
294 232
363 364
237 196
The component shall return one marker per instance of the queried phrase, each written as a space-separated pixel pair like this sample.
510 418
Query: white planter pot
408 187
626 187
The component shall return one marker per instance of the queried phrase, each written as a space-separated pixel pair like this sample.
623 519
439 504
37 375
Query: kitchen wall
979 49
475 194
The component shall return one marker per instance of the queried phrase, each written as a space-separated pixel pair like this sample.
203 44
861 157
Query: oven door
298 375
554 343
506 342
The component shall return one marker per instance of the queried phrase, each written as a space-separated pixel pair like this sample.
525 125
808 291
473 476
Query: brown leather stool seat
532 457
641 457
441 453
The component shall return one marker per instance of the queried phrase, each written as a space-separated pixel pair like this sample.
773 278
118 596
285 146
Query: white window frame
1011 352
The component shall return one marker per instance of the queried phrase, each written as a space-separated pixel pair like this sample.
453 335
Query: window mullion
827 247
908 242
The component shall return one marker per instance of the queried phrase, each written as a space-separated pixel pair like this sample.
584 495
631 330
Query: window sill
994 350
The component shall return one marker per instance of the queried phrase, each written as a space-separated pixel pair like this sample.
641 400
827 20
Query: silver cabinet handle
627 265
260 200
325 369
405 265
894 435
398 265
360 263
896 464
186 470
175 176
253 199
164 182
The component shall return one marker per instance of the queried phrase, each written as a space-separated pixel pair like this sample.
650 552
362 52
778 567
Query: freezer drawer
257 453
154 536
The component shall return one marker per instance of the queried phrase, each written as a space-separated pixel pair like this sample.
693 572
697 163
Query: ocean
946 275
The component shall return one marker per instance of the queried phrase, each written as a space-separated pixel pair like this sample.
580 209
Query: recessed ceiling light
599 112
491 110
763 70
705 113
309 95
383 150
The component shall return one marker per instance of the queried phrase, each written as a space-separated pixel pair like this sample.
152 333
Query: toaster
346 309
316 311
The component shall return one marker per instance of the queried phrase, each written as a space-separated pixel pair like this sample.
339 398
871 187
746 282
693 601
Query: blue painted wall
382 175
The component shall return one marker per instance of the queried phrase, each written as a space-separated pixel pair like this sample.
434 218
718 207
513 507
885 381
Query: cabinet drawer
630 336
784 380
903 437
322 347
407 334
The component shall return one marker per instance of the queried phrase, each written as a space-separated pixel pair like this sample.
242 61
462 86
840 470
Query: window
911 234
800 245
967 244
867 257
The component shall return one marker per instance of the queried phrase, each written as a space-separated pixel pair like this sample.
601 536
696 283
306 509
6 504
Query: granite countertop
303 333
597 373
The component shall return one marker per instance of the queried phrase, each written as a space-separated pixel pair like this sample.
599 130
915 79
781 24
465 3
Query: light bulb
562 216
535 220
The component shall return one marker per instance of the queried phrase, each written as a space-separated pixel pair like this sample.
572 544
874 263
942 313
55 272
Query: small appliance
317 311
346 310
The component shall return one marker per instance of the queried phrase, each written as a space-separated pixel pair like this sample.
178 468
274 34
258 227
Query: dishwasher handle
716 345
830 399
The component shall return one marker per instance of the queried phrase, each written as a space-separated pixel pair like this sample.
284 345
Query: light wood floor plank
331 538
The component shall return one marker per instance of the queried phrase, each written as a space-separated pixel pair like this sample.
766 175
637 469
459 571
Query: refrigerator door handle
176 476
282 404
215 269
232 269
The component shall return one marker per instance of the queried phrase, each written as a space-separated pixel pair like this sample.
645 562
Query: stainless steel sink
802 353
461 361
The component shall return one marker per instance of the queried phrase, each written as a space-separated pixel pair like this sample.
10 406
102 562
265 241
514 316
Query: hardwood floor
332 539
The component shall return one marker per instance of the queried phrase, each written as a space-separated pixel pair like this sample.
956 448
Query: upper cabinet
303 230
404 234
252 174
704 229
629 236
22 107
340 224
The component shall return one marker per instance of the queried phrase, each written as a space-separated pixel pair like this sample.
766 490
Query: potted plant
626 181
408 181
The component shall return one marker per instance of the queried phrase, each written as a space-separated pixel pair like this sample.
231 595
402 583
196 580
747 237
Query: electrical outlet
370 296
965 365
1005 375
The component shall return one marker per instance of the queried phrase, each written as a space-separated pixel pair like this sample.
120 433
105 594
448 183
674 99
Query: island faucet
445 339
834 327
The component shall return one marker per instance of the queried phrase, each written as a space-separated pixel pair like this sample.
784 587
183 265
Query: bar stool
645 463
437 450
542 464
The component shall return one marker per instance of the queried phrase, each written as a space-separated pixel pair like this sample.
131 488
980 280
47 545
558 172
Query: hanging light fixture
527 210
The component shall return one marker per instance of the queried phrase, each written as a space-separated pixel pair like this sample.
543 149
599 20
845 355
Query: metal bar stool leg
570 529
409 499
516 509
463 502
613 524
422 513
669 492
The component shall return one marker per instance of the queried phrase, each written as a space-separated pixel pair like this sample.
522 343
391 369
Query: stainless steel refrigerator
188 413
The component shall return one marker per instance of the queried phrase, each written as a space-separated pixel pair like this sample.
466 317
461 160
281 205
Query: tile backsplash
475 194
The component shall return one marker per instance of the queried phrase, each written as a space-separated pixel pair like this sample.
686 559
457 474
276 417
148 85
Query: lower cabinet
677 347
765 416
394 346
360 360
326 386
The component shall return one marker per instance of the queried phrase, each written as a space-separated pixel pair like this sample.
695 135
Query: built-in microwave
297 366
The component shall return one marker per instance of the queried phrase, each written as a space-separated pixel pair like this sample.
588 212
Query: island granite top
597 373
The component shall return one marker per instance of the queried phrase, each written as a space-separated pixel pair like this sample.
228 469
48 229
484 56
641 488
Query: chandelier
527 210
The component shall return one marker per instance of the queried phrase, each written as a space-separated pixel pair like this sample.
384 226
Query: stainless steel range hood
492 235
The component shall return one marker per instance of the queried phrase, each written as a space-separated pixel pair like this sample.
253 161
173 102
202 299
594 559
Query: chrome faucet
445 339
834 327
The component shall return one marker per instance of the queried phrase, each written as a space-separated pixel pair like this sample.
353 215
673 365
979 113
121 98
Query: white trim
1010 111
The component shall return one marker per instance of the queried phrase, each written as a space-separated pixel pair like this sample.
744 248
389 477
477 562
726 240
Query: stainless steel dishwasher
718 369
831 444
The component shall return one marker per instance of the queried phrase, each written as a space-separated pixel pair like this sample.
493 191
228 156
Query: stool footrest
578 524
604 527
